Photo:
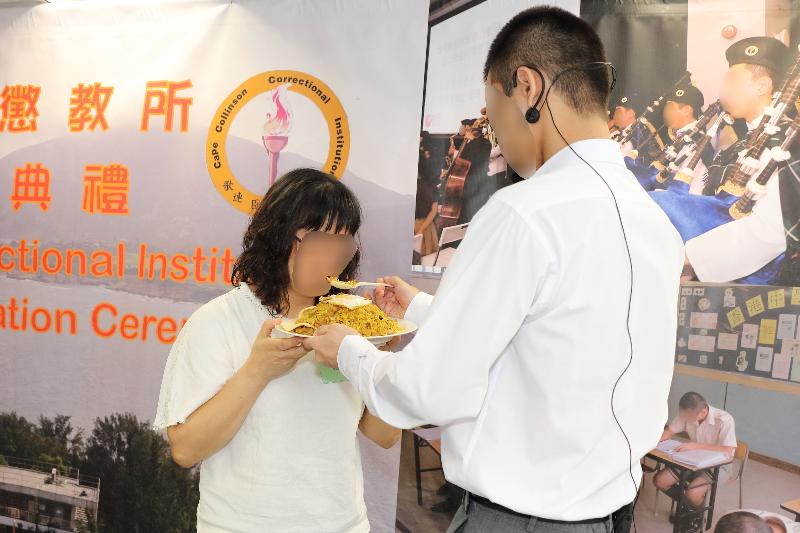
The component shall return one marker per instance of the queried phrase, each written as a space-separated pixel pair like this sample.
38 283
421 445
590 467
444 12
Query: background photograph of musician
718 155
457 175
705 113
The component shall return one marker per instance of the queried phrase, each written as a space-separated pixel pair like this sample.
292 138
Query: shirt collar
711 417
592 150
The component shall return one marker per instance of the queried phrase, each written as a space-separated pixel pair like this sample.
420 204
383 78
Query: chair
742 454
443 255
425 437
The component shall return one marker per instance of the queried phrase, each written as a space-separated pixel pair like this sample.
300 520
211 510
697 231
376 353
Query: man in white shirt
708 428
525 349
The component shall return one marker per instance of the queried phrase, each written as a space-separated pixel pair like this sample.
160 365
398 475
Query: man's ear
763 85
529 85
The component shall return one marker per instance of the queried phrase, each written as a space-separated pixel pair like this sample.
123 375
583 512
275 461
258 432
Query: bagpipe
756 188
684 166
783 108
694 215
667 162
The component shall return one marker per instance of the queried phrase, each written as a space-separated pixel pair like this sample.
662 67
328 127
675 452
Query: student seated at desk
708 428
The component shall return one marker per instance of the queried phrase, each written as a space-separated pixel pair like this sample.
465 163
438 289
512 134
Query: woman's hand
212 425
272 358
394 300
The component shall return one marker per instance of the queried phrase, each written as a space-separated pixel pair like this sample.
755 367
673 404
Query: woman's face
317 255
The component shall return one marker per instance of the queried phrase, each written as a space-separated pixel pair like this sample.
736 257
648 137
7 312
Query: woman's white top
294 465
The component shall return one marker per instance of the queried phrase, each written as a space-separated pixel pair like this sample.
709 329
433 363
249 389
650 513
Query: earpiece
532 114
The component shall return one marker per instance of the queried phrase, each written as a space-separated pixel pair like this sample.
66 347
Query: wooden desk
683 512
793 506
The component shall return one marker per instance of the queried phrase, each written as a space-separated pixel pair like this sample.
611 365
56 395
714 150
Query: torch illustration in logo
276 128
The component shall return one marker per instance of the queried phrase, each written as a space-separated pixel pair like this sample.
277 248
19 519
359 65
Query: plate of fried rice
350 310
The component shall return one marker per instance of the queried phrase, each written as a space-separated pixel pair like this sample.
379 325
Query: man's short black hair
553 40
742 522
692 401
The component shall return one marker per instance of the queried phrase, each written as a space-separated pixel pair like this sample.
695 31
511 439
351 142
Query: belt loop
531 526
465 502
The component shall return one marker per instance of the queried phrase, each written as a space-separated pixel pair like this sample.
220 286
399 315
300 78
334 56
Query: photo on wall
706 123
460 165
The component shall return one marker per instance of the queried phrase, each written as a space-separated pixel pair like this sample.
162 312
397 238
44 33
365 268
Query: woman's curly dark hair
303 198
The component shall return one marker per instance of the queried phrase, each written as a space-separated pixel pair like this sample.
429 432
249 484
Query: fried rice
368 320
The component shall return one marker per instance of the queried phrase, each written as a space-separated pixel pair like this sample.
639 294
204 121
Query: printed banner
135 140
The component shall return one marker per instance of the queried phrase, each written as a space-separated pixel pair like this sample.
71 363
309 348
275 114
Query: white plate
408 327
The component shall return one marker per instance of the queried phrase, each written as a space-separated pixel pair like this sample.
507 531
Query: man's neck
574 129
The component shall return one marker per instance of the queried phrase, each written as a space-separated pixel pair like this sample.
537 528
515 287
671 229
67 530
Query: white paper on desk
700 458
764 358
668 445
749 335
786 326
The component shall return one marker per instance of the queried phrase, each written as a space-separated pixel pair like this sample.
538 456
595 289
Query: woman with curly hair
277 445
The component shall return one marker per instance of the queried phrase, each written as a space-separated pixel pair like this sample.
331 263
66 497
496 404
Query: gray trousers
480 519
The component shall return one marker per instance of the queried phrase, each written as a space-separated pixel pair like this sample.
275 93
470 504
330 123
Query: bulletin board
751 330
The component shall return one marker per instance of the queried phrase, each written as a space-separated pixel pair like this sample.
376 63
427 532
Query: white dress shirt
517 355
740 247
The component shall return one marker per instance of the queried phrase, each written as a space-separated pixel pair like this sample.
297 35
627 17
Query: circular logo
680 92
299 82
624 99
751 51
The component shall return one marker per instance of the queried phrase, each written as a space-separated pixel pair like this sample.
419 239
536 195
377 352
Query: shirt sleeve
418 308
738 248
485 295
727 432
677 425
198 365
